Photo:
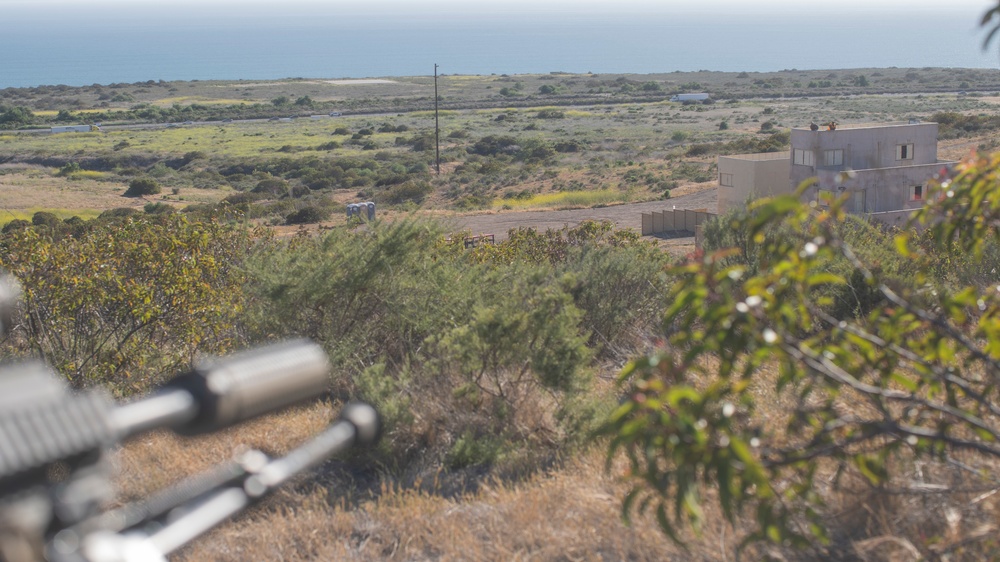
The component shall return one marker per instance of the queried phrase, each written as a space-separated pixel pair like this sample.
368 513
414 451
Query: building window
904 152
917 193
825 196
803 157
726 180
833 157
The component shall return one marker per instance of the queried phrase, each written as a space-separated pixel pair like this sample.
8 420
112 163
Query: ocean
82 44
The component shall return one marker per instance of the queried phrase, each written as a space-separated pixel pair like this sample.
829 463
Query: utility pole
437 129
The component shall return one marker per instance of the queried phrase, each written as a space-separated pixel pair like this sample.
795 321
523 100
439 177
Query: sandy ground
359 81
628 215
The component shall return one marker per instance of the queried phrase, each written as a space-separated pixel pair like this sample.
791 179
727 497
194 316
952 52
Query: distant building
690 97
74 128
884 169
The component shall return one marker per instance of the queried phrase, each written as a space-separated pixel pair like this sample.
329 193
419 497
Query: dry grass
156 459
27 190
571 512
945 510
568 514
37 189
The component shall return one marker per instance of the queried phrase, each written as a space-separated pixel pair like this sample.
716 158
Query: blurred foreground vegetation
807 353
476 357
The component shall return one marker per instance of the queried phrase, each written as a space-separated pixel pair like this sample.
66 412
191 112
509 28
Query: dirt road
624 216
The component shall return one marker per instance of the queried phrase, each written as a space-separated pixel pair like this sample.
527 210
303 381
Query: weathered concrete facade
880 168
879 190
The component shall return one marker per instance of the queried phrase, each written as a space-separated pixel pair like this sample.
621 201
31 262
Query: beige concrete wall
893 218
754 176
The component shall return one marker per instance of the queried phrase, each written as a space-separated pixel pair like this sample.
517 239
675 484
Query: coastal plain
565 141
519 150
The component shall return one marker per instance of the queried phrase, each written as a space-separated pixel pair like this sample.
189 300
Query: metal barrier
673 220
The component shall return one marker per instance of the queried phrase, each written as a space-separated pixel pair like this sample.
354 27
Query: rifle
54 476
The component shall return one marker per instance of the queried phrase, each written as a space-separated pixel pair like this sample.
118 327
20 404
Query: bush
16 224
472 361
698 150
492 145
68 169
158 208
117 213
308 215
411 190
43 218
127 302
142 186
550 113
271 187
568 146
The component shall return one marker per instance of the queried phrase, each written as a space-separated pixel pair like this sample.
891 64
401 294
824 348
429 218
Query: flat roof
759 156
840 126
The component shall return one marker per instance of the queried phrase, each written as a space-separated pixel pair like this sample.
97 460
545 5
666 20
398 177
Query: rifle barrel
167 408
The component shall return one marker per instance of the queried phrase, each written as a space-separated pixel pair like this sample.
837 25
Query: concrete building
750 176
884 169
74 128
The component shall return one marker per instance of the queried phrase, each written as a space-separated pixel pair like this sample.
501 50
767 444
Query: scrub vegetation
507 435
615 138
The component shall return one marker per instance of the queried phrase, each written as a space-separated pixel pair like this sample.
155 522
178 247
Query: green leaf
664 521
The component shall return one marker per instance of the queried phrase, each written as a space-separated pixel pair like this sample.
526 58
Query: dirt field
625 216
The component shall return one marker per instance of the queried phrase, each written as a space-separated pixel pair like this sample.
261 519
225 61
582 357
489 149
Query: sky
702 6
786 25
206 10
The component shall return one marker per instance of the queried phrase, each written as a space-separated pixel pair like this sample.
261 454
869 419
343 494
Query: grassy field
409 93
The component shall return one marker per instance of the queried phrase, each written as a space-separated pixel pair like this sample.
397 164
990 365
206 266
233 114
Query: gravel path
624 216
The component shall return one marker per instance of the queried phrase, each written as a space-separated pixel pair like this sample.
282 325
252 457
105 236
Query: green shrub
242 198
43 218
142 186
127 302
68 169
271 187
308 215
16 224
492 145
550 113
408 191
473 360
158 208
117 213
